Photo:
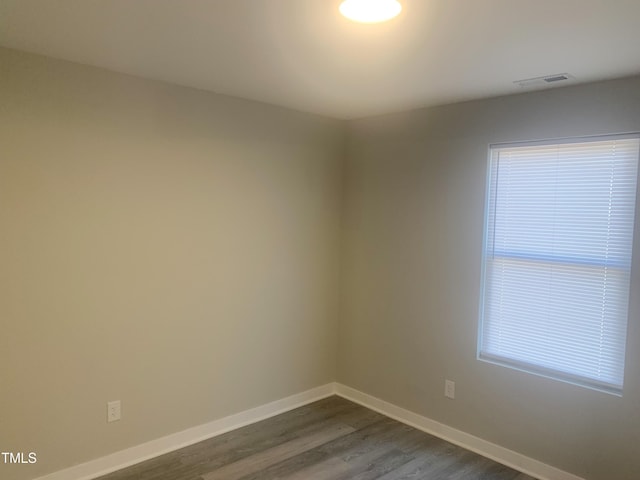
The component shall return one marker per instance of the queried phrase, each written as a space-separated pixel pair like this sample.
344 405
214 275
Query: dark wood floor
332 439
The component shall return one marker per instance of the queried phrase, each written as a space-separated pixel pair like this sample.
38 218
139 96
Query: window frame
515 364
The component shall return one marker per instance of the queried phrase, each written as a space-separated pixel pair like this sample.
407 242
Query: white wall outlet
113 411
449 389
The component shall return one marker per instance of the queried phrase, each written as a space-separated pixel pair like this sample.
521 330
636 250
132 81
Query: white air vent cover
546 80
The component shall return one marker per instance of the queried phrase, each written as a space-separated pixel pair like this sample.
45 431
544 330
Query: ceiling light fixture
370 11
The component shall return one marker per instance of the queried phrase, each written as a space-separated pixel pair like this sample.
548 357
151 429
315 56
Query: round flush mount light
370 11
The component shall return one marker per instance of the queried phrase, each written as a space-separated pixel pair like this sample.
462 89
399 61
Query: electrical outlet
449 389
113 411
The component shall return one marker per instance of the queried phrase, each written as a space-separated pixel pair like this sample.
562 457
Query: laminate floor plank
271 456
428 465
328 469
332 439
339 447
367 458
359 417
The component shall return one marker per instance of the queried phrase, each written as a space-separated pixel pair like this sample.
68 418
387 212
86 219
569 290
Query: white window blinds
557 258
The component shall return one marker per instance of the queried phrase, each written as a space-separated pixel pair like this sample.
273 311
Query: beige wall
415 186
180 251
173 249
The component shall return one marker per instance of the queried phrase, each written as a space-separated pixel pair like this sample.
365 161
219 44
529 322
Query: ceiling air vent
546 80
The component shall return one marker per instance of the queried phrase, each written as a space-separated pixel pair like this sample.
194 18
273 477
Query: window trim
516 364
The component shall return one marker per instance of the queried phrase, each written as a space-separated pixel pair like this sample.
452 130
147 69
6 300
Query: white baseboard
131 456
160 446
487 449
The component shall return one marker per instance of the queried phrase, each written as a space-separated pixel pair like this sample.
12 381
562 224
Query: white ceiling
302 54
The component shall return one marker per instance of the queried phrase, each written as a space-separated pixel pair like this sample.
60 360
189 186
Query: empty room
319 239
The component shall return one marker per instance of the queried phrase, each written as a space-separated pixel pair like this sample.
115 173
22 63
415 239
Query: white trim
507 457
131 456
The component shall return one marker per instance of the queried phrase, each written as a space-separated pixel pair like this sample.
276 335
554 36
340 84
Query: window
557 258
